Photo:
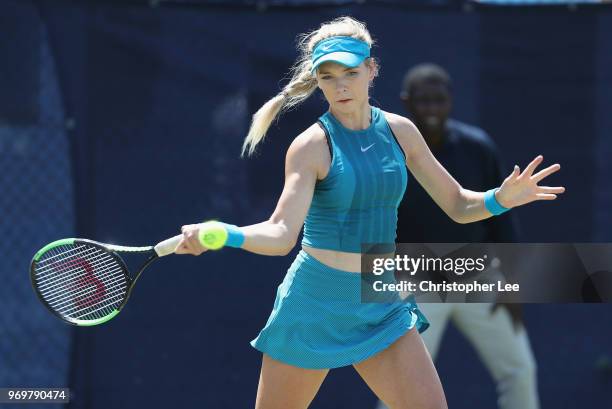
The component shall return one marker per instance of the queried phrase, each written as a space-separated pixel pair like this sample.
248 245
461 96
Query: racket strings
72 268
53 262
80 281
110 297
87 299
102 268
96 262
64 298
89 295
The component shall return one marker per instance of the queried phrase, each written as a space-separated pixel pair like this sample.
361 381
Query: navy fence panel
36 200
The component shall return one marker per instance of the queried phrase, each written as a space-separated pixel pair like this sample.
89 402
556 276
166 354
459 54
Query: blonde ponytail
302 85
261 122
303 82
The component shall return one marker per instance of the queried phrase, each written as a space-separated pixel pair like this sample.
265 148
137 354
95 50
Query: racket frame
112 251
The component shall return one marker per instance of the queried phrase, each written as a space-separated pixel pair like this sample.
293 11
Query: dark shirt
472 158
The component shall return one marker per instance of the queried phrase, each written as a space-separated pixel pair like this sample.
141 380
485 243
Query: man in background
496 331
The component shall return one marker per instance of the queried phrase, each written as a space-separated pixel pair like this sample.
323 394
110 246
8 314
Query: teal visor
347 51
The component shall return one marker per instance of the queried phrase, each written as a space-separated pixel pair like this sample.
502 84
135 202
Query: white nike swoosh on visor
365 149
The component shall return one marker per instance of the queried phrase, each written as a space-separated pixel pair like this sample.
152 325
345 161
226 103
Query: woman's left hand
522 188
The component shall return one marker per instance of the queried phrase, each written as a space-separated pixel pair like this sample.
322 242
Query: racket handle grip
167 246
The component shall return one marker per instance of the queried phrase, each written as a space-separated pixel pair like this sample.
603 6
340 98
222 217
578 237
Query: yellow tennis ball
213 235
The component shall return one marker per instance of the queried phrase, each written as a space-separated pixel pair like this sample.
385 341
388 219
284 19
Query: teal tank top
356 203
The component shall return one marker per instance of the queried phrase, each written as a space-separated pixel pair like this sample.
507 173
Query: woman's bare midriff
340 260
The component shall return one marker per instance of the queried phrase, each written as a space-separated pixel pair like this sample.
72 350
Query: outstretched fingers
523 187
551 190
545 196
545 172
548 192
534 164
516 172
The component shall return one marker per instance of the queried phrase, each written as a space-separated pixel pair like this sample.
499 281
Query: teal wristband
235 237
492 204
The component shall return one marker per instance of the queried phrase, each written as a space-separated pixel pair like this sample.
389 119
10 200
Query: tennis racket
84 282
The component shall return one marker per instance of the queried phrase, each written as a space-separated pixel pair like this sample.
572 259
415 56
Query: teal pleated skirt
318 320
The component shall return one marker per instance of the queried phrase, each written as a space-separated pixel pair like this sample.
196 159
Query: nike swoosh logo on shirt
365 149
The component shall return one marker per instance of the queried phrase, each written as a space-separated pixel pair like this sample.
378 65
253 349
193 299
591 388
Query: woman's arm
278 235
463 205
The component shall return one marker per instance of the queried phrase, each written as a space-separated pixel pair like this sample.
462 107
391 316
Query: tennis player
344 178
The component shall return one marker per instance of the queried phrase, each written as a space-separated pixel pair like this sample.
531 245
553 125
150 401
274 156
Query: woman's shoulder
311 140
402 127
405 132
310 145
397 120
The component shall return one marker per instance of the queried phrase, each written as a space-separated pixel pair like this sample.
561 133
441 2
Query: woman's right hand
190 244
